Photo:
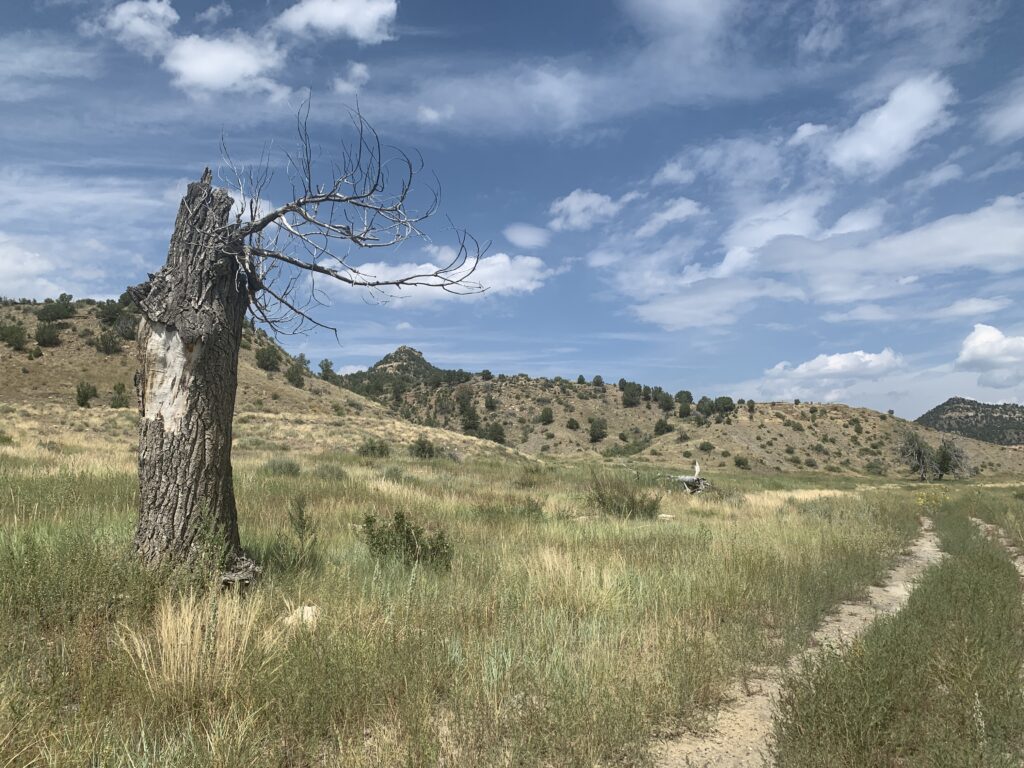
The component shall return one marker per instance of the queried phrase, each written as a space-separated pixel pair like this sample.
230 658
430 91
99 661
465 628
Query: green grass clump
621 495
407 542
375 448
937 684
282 468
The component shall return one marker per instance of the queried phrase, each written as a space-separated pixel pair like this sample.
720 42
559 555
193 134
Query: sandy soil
740 734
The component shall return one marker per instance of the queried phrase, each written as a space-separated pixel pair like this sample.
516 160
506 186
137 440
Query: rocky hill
90 343
999 423
576 418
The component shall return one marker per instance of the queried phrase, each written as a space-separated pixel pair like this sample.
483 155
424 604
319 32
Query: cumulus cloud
366 21
1004 119
581 209
356 76
143 26
214 13
841 366
499 275
236 63
998 358
883 137
526 235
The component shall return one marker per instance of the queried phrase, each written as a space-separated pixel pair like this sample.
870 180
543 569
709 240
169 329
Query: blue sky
816 199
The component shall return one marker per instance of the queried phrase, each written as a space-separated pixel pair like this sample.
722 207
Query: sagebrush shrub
85 392
374 448
282 468
407 542
422 448
108 343
47 335
120 397
623 496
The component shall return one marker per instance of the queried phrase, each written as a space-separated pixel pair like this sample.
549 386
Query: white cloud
674 211
581 209
431 116
795 215
804 133
356 76
883 137
860 220
143 26
1004 164
862 313
30 62
238 63
826 34
709 302
367 21
214 13
526 235
28 274
840 367
1004 120
990 239
674 172
499 275
936 177
403 326
972 307
997 357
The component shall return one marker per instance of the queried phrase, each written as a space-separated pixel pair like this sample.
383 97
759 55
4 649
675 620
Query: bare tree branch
359 198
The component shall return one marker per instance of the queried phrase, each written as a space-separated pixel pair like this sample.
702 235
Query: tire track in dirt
996 533
741 729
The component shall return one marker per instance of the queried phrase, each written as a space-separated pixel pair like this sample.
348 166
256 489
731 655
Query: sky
819 200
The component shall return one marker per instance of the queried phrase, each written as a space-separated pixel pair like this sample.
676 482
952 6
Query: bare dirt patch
741 730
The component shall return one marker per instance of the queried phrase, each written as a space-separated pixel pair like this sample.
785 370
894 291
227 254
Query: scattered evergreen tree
268 358
547 416
494 432
295 374
662 427
950 459
581 379
572 424
120 397
917 454
85 392
490 403
598 429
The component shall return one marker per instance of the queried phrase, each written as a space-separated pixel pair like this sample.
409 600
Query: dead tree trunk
189 337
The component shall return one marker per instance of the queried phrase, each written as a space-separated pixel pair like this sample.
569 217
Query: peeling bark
189 337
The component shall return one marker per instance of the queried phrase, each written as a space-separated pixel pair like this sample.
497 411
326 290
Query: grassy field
559 636
938 684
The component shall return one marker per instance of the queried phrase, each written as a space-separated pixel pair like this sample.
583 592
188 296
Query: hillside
776 437
38 385
999 423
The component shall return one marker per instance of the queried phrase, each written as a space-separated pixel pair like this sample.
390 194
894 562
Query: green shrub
490 403
422 448
598 430
494 432
547 416
35 353
108 343
61 309
374 448
47 335
126 326
5 439
572 424
120 396
304 527
268 358
295 375
621 495
741 462
705 447
13 335
662 427
85 392
811 463
407 542
282 468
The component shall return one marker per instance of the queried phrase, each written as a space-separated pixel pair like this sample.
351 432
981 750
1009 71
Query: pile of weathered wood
692 483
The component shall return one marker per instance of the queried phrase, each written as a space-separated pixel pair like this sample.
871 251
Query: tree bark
189 337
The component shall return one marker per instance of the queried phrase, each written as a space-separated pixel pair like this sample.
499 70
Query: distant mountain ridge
999 423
